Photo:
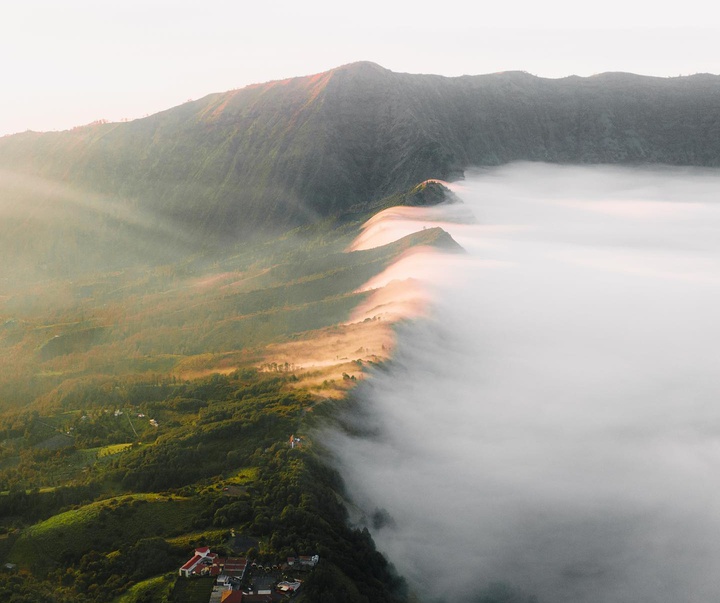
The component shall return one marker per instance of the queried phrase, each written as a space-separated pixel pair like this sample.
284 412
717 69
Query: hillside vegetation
288 152
176 300
142 416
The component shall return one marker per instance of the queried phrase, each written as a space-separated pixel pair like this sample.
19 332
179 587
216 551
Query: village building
225 594
288 587
237 596
206 563
229 573
189 568
304 561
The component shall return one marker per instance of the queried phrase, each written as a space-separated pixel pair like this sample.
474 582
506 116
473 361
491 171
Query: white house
200 554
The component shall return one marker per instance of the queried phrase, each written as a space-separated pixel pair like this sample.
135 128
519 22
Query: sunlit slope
148 409
286 152
103 525
199 313
50 230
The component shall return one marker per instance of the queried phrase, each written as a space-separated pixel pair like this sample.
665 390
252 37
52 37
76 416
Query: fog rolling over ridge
555 424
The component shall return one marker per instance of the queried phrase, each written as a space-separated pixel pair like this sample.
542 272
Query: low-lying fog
555 424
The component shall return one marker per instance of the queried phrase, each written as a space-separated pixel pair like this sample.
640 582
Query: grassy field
113 449
153 589
195 590
74 465
232 484
243 476
191 540
103 525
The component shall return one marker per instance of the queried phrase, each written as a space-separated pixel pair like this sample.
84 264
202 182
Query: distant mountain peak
322 77
516 73
361 66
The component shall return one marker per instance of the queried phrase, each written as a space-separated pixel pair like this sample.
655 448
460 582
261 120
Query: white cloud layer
555 424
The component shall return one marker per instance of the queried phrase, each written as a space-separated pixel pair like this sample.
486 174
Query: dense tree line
31 506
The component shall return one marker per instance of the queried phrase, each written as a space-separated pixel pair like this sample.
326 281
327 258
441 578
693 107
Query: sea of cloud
554 423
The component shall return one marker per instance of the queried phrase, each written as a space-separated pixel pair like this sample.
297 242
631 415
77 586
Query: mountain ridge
287 152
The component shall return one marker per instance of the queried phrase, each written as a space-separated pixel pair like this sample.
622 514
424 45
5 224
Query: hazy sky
66 63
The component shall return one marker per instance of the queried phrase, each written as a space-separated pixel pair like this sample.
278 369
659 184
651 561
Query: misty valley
366 337
553 424
552 399
150 407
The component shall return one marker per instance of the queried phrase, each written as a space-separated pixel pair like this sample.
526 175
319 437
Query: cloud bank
554 423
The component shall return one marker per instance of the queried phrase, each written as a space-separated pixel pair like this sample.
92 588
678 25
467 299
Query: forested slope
286 152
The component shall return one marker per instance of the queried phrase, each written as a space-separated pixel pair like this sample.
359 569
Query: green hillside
222 475
102 526
142 418
142 321
283 153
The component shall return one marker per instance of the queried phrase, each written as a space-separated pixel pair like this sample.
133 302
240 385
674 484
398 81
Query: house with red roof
235 566
191 566
205 563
